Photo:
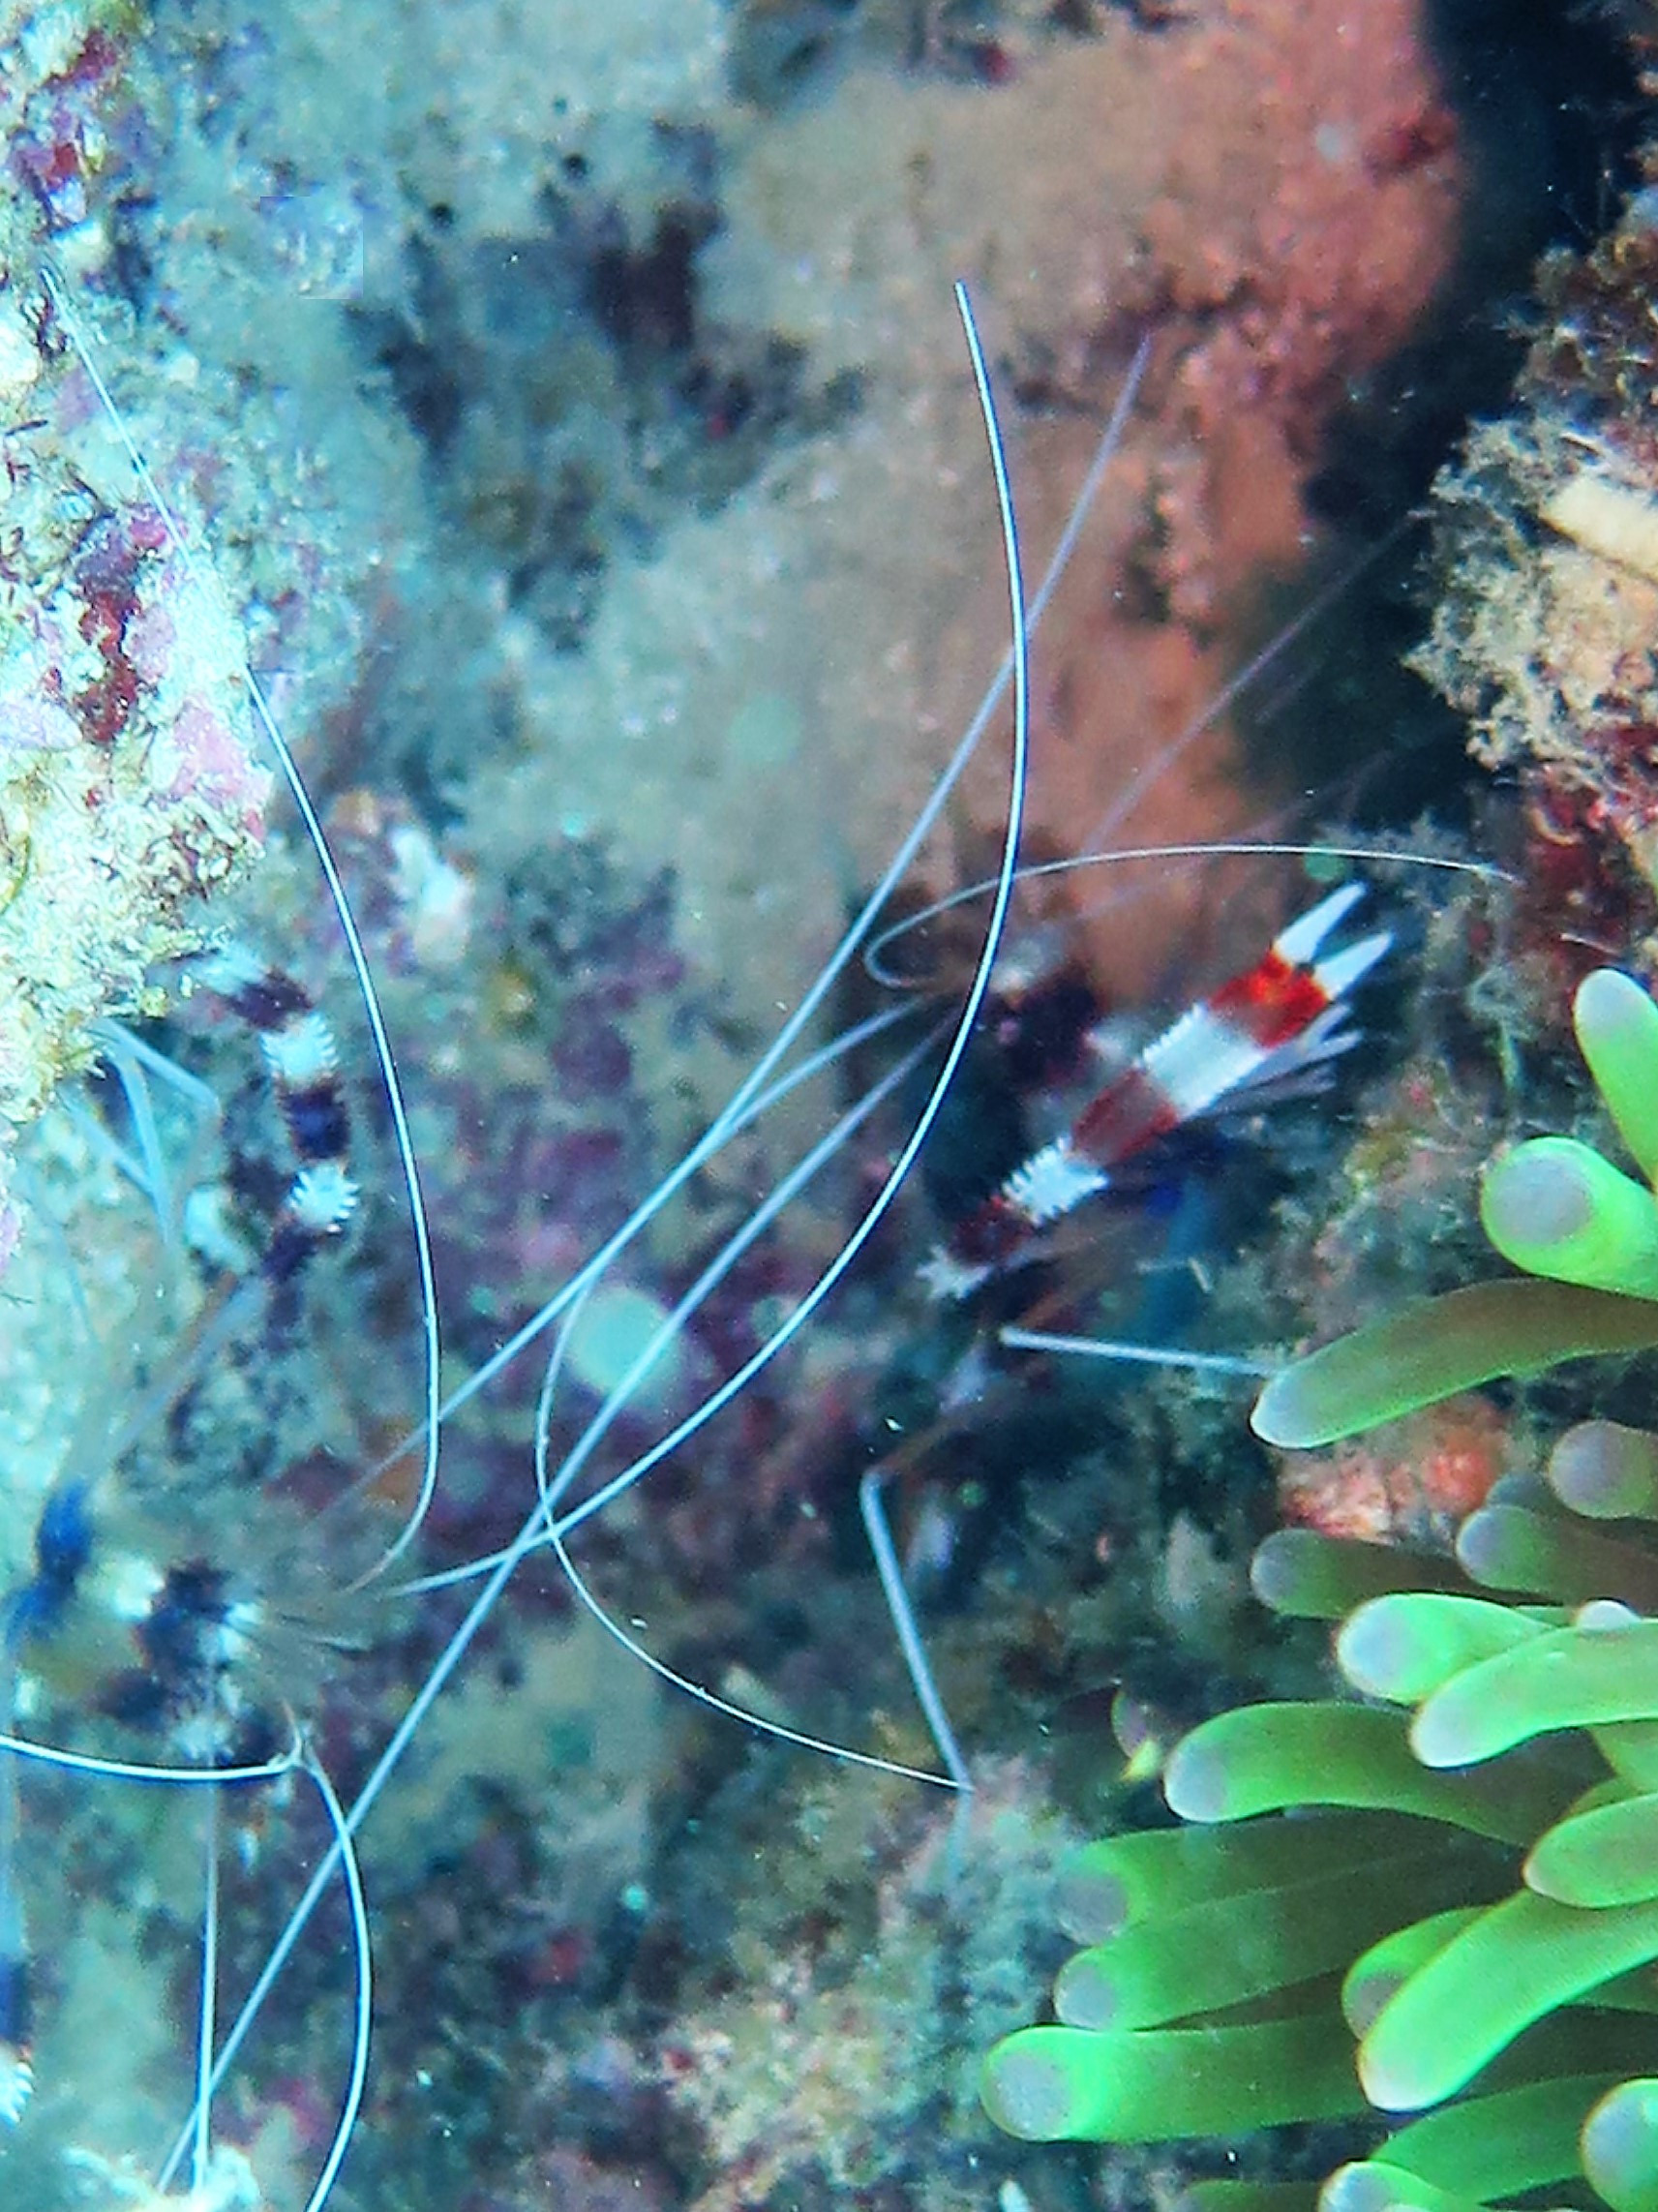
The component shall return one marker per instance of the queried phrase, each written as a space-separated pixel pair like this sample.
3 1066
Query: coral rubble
129 786
1547 536
849 2069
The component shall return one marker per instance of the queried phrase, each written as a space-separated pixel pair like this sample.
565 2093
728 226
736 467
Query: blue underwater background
568 413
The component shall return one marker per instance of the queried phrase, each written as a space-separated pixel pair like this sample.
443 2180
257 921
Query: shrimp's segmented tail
1264 1027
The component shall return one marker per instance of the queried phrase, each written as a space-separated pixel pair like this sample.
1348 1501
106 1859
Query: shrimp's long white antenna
135 1770
17 2076
362 1950
575 1292
960 1038
1105 452
550 1489
779 1731
1216 849
533 1531
891 1582
740 1108
207 2009
392 1083
1135 786
341 1856
712 1275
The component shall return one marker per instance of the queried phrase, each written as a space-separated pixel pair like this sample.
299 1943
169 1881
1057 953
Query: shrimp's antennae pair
386 1059
341 1857
553 1520
541 1526
756 1091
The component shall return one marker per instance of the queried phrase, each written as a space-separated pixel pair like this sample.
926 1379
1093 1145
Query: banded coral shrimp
326 1880
165 1616
247 2064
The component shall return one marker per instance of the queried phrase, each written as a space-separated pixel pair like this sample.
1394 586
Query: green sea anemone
1585 1234
1441 1904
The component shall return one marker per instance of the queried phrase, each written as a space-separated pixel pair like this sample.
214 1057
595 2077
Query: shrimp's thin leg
871 1503
1015 1338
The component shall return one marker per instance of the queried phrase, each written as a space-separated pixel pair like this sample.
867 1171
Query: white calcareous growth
1615 520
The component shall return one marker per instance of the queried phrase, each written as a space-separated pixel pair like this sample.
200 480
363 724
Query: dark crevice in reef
1550 124
784 50
569 390
787 50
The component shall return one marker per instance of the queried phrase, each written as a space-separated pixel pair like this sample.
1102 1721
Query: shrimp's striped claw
299 1054
1272 1023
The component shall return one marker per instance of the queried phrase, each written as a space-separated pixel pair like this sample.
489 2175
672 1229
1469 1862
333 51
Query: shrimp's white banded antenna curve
745 1102
538 1530
1214 849
356 951
1004 883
